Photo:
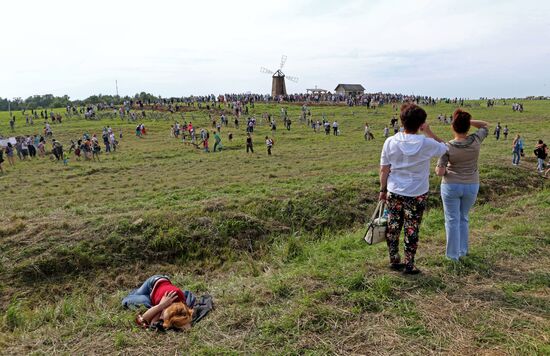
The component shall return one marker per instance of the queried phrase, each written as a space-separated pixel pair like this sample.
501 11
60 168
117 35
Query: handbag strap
377 211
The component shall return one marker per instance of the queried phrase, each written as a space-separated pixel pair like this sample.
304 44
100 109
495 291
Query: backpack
540 153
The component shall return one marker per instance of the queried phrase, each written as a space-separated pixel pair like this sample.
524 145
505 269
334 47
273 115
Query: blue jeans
142 295
540 164
516 156
457 201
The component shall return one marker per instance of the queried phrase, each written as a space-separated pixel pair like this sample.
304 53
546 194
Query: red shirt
164 286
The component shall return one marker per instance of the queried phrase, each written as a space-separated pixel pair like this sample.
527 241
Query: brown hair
178 315
461 121
412 117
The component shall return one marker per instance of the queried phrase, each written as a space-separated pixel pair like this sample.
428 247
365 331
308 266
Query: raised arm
429 133
479 124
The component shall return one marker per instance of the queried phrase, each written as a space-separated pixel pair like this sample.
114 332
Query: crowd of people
186 131
137 108
89 147
405 163
27 148
31 147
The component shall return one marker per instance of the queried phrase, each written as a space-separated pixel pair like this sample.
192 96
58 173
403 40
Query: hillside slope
277 242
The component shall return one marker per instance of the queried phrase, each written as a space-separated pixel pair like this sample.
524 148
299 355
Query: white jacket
408 156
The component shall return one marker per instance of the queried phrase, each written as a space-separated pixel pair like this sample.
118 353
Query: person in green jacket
218 141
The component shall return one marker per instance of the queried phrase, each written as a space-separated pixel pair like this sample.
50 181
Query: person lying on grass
168 306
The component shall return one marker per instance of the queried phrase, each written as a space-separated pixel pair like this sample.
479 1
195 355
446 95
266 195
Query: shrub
13 318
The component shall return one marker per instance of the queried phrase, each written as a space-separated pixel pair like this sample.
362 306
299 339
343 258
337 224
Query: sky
441 48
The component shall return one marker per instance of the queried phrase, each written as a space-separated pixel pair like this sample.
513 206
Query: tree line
49 101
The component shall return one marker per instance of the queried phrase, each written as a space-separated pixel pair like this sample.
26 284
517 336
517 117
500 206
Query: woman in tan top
460 183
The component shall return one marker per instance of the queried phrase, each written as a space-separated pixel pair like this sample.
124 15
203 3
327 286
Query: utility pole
116 85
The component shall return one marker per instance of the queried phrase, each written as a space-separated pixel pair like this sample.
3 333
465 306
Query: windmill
278 86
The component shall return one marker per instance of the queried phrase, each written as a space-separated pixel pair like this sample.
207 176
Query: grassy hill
276 240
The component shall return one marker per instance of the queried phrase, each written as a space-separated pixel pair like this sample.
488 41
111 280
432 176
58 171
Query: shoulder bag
376 228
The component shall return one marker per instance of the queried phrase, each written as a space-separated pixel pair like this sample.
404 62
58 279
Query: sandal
412 270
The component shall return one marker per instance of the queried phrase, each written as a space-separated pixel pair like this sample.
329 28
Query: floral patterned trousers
404 212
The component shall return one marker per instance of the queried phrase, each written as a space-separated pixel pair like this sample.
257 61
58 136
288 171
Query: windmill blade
265 70
283 61
292 79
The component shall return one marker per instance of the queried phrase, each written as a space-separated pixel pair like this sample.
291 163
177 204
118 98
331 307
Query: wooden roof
350 87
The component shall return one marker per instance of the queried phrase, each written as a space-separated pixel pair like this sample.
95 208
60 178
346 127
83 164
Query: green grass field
275 240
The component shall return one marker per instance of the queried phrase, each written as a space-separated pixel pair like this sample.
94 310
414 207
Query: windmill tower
278 86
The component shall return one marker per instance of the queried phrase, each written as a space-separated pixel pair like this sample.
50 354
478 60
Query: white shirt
408 156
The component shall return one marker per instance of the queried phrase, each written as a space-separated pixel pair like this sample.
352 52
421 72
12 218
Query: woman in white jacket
404 174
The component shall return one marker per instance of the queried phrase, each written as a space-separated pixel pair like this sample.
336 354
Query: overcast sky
177 48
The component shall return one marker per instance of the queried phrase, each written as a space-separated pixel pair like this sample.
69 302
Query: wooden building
316 91
349 89
278 86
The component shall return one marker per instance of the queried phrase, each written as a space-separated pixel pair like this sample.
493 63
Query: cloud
175 48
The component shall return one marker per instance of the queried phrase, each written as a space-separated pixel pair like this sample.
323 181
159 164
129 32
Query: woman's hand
425 128
382 196
168 298
153 313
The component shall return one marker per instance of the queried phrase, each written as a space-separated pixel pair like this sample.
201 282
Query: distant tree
143 96
49 101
